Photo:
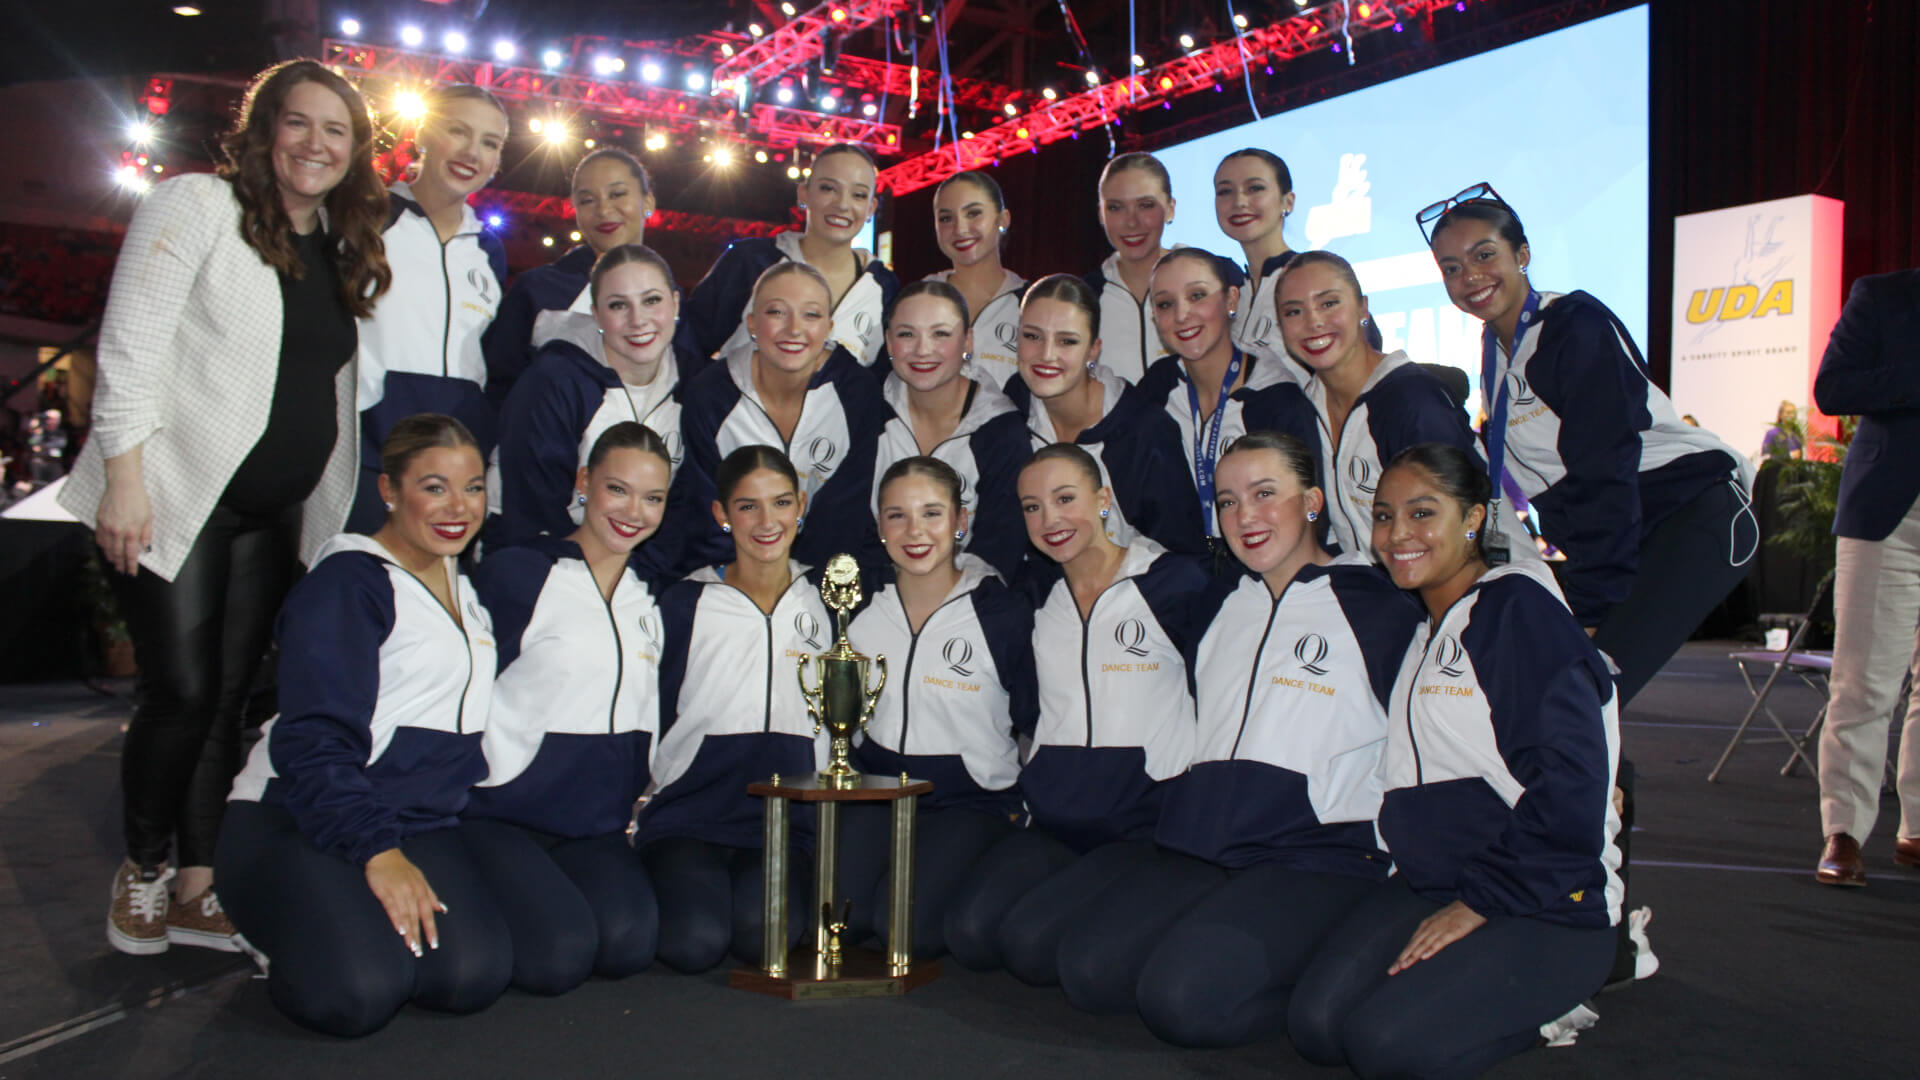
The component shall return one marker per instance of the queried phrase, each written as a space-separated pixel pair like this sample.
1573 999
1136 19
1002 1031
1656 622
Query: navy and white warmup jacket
1137 446
1598 448
509 343
1292 702
1268 401
383 700
1256 325
1400 406
957 693
996 331
986 449
1501 746
1128 339
731 710
557 410
576 707
420 350
832 449
1116 697
713 319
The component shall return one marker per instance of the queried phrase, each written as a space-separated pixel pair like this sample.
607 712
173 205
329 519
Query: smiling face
1263 512
635 312
1191 309
927 340
965 223
1247 199
763 513
460 147
838 197
312 146
626 498
791 322
1061 505
437 505
1056 345
1420 533
1481 270
1320 316
917 523
1134 210
610 204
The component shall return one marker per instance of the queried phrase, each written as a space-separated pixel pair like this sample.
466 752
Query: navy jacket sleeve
1415 408
1173 588
1545 687
1383 620
677 607
539 447
507 341
509 582
711 312
1858 374
1151 479
688 537
1599 392
1007 620
1000 447
330 633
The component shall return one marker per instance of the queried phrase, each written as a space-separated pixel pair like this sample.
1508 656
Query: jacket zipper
1333 468
1413 689
446 324
913 645
1253 677
453 591
619 653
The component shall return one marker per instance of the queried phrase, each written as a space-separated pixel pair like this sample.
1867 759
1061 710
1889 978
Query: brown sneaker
201 922
137 921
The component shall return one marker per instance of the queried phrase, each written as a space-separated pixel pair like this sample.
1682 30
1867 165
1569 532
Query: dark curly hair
356 207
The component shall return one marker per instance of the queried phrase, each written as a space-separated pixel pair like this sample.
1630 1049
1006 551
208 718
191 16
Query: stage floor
1763 972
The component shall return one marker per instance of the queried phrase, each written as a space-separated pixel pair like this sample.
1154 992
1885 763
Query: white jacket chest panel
1115 679
943 690
430 322
742 672
586 666
434 674
1289 687
820 442
620 404
1353 474
1440 725
897 442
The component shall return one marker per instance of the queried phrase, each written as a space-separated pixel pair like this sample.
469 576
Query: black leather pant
199 640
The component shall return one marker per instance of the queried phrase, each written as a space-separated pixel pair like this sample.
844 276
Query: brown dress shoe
1906 851
1840 862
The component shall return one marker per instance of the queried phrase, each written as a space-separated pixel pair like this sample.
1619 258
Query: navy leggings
946 844
1024 895
1476 1002
337 966
574 906
711 899
1208 956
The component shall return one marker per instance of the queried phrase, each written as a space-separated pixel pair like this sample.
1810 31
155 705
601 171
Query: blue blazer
1872 369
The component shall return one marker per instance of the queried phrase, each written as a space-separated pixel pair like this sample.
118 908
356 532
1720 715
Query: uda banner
1756 290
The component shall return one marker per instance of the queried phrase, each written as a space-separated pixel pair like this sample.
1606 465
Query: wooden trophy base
862 974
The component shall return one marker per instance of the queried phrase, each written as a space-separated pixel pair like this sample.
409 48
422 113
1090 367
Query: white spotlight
455 41
784 95
350 27
505 51
650 72
140 131
553 58
1186 41
829 103
870 110
412 36
696 81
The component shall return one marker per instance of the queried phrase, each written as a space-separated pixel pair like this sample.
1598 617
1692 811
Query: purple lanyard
1206 452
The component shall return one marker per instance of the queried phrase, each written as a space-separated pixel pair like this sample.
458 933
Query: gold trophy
839 698
840 701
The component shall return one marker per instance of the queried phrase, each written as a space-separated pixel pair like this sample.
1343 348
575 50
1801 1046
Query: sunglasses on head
1481 192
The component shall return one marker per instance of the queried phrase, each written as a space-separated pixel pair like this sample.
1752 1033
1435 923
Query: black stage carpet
1763 972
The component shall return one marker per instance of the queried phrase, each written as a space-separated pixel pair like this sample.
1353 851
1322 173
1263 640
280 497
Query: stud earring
959 534
799 522
966 357
389 508
1313 515
725 528
1104 513
580 497
1469 534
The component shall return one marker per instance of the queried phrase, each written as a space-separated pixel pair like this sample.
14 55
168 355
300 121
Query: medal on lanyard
1206 438
1493 385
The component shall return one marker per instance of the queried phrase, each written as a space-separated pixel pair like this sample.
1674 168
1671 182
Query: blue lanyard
1491 377
1206 451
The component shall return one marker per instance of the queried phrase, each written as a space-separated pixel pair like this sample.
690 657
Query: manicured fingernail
436 943
417 953
441 908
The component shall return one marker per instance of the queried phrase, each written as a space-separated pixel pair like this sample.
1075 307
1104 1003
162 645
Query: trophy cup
840 701
839 698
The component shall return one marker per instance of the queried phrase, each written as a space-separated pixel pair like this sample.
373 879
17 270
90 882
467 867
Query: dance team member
572 394
421 351
970 219
941 408
961 687
1136 206
1112 637
1069 396
234 299
612 198
572 726
1267 841
724 725
1252 197
1501 913
838 196
796 391
1212 390
1653 514
342 858
1363 407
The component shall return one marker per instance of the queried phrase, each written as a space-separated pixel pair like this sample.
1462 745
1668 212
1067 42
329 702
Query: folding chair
1812 667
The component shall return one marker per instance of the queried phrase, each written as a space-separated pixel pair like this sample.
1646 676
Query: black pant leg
1007 871
1030 934
947 844
746 867
620 894
1102 953
548 921
474 962
1348 966
694 887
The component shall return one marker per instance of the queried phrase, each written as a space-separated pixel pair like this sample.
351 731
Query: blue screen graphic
1557 124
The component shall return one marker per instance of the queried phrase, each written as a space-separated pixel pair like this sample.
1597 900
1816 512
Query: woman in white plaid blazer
222 453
